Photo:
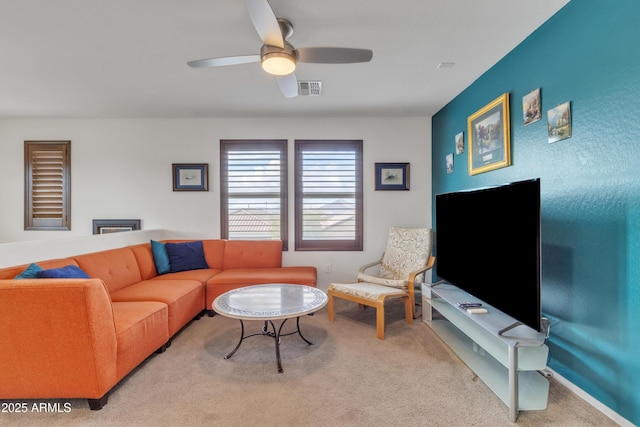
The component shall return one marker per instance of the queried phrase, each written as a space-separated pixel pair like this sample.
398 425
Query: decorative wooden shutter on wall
47 185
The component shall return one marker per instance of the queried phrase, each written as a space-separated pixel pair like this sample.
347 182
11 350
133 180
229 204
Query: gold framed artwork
489 136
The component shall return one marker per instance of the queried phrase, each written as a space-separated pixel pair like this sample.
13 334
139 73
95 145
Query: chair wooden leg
413 306
330 309
380 319
408 310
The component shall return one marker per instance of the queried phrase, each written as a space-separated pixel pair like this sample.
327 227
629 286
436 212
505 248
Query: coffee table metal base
276 334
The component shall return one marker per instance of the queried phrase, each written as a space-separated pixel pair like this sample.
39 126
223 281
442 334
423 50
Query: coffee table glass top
270 302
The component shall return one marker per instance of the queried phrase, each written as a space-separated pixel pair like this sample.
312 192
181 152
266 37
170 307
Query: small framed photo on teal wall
459 141
559 122
531 107
449 162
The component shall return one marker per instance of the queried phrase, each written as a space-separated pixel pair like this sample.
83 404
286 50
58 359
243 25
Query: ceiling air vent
310 87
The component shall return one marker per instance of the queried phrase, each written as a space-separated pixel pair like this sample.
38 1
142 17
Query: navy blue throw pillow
186 256
68 272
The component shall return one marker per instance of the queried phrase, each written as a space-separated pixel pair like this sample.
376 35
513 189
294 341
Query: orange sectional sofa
78 337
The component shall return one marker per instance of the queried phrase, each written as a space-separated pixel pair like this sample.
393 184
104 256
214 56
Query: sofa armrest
58 339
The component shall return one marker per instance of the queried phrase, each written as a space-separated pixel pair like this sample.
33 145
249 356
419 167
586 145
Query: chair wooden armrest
414 274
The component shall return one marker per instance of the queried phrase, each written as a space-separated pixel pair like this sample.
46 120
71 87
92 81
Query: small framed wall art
190 177
489 136
392 176
559 122
531 105
449 162
459 141
107 226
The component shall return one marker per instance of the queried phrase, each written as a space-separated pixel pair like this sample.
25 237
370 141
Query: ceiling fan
277 56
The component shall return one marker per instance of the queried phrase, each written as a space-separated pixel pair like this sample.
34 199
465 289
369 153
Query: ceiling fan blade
265 22
288 85
227 60
333 55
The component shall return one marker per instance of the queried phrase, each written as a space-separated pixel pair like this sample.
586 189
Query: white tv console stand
506 357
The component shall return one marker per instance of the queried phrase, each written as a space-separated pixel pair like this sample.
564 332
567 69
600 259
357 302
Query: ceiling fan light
278 63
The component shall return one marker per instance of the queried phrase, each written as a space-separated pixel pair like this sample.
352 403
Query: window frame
63 222
301 147
254 145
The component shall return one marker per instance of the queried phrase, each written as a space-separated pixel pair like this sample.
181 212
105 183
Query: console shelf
505 357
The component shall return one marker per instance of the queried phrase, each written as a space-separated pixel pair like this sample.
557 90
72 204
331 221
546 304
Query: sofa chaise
77 337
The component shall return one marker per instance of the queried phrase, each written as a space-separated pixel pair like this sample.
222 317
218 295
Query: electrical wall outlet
327 268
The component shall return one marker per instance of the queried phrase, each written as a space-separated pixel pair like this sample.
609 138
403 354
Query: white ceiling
127 58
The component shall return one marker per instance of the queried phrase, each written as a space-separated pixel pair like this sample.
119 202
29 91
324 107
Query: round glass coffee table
269 303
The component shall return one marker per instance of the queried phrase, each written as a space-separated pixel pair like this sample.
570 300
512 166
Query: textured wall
588 54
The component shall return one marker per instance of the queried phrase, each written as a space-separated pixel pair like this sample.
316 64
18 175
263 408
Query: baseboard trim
591 400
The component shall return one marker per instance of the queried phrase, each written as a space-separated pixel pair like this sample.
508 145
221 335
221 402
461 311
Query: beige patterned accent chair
393 277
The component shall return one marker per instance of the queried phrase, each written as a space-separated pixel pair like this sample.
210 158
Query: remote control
469 304
476 310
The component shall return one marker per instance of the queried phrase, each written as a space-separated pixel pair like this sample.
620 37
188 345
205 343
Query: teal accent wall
588 54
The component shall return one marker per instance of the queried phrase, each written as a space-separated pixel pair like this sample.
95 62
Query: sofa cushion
144 258
116 267
67 272
30 272
141 328
252 254
186 256
214 252
184 298
256 276
160 257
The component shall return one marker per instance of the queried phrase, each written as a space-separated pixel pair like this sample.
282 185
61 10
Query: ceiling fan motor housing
278 61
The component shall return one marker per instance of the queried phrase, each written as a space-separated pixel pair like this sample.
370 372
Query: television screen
488 244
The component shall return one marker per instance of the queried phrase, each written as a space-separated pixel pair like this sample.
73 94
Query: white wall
121 168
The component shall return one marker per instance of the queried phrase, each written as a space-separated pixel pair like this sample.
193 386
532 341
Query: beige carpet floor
347 378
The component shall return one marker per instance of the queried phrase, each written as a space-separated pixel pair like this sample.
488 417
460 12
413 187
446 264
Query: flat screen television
488 244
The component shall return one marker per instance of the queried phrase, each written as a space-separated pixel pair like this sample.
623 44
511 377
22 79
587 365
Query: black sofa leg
211 313
97 404
163 348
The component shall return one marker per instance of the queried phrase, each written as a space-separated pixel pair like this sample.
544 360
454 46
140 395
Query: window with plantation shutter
47 185
328 195
253 190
